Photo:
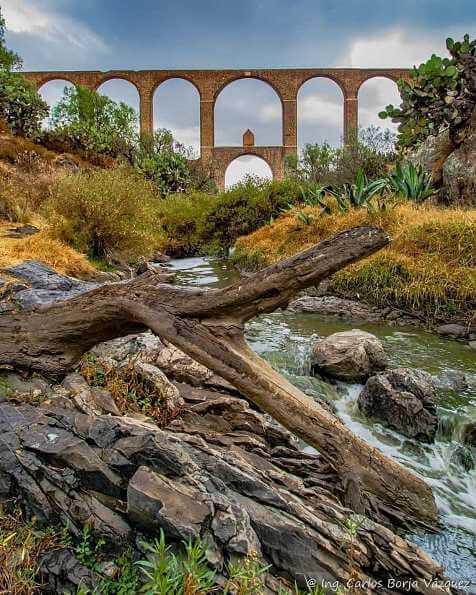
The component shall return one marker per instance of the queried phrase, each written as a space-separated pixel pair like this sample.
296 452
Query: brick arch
338 83
335 79
50 79
243 76
223 157
389 75
172 76
117 77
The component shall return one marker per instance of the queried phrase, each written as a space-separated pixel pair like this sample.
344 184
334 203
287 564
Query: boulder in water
350 355
404 398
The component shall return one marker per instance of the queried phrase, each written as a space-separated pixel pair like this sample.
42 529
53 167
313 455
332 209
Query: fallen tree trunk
208 325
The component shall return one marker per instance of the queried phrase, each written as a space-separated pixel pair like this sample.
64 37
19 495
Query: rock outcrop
222 471
403 398
453 168
350 355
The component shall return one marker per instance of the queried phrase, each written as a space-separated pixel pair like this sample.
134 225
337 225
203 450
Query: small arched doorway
244 167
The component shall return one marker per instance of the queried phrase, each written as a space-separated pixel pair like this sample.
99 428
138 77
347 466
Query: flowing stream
285 340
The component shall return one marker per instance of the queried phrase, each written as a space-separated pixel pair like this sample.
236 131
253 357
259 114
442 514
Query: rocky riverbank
321 301
95 450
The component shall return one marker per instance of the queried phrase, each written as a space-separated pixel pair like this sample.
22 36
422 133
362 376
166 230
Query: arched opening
374 95
320 107
52 92
121 91
246 165
176 106
248 104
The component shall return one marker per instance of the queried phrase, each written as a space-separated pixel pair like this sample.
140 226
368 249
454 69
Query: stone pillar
351 118
146 110
207 128
290 126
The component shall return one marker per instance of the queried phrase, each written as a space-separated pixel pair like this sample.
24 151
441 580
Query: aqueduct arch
285 81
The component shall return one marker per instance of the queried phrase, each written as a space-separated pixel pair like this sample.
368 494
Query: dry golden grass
42 246
428 268
21 546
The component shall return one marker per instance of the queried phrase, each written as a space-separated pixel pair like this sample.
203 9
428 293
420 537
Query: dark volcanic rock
127 479
46 286
404 398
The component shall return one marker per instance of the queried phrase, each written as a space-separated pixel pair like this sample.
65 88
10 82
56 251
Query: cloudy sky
119 34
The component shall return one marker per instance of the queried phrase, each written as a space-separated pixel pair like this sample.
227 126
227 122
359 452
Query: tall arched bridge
286 82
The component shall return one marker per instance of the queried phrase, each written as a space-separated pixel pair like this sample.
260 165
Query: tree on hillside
21 107
9 60
441 95
94 123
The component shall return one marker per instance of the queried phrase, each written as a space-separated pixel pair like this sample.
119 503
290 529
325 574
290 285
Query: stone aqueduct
209 83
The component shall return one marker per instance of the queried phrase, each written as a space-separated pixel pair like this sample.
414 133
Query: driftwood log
208 325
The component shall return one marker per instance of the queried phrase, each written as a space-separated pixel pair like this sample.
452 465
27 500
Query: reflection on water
285 340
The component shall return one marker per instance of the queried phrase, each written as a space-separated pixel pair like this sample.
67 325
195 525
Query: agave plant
360 193
411 181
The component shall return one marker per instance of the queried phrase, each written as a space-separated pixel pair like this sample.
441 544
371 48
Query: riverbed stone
403 398
352 356
455 331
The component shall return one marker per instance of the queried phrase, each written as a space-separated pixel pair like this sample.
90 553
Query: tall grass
428 268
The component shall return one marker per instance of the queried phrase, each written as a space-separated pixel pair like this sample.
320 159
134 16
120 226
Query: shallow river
286 339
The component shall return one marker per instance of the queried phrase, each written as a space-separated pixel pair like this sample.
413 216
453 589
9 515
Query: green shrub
106 214
164 162
202 223
94 123
21 107
441 95
329 166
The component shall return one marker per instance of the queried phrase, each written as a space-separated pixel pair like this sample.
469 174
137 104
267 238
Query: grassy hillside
428 268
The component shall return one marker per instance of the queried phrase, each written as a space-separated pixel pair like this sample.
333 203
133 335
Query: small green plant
304 218
361 191
87 551
126 582
171 574
411 181
246 577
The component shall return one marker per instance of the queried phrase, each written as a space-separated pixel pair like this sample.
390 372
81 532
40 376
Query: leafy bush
93 123
164 162
329 166
21 107
107 213
441 95
196 223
